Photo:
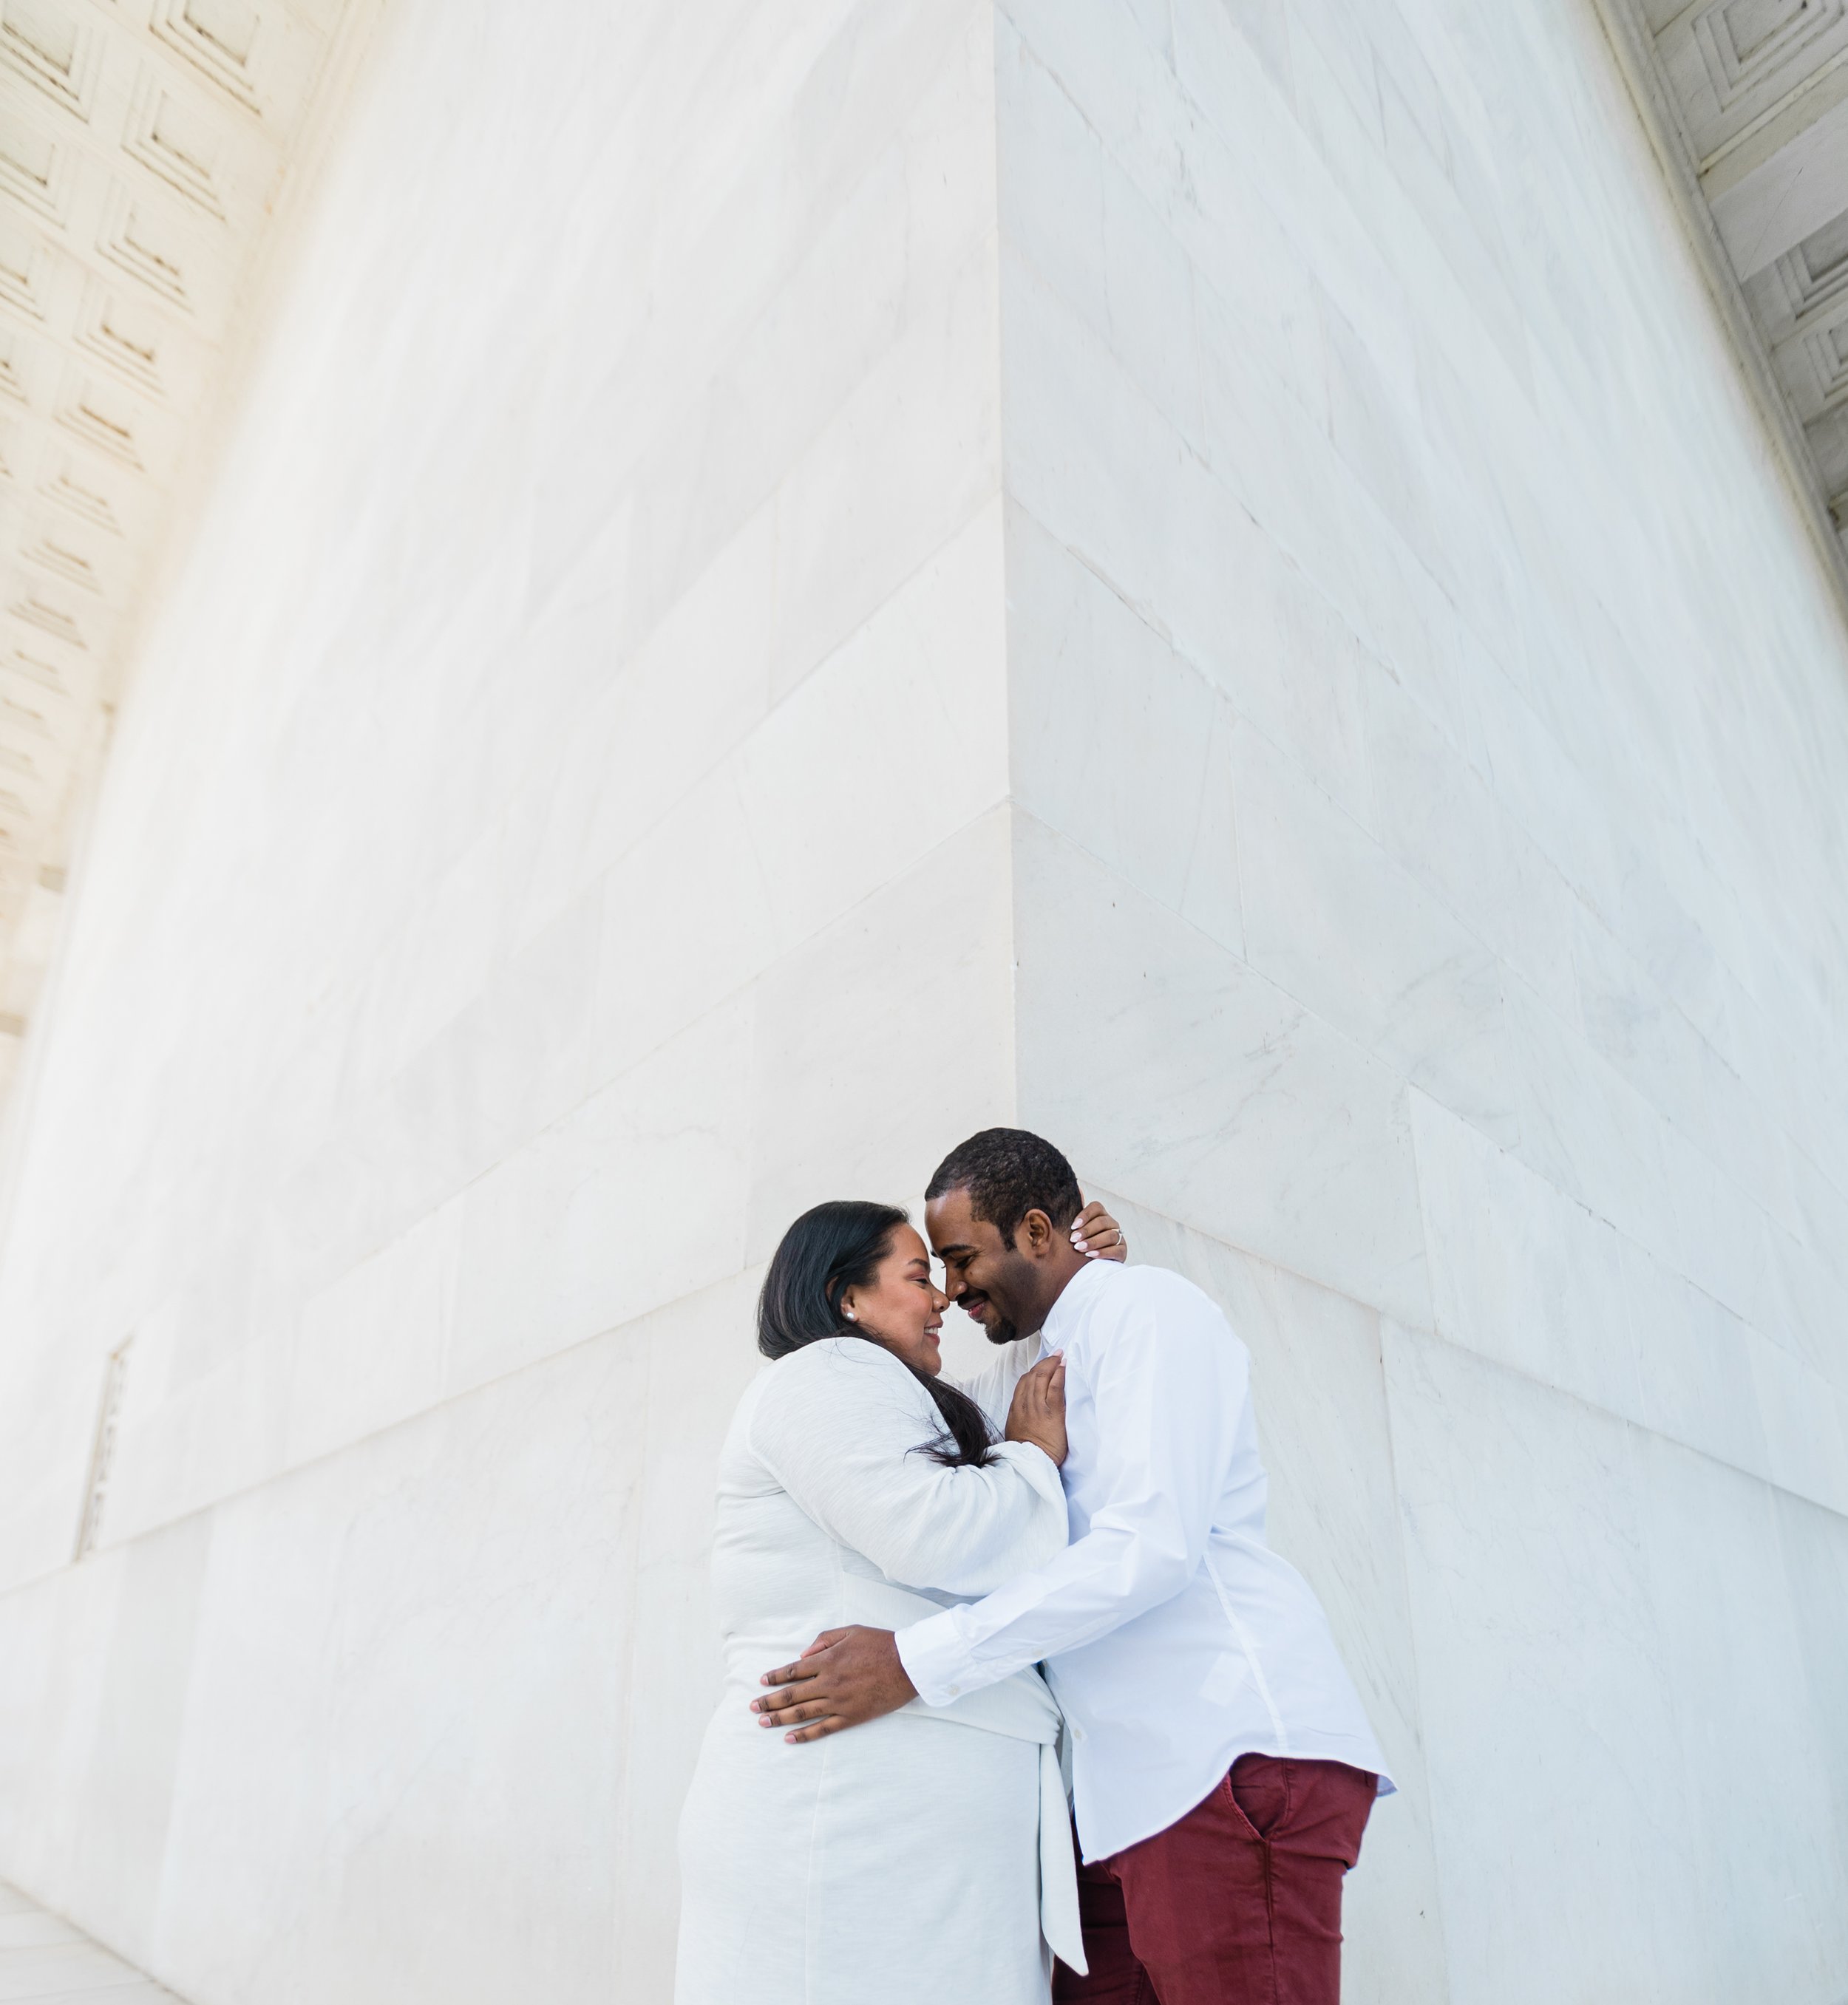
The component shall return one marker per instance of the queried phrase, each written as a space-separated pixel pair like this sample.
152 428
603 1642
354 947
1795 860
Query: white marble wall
800 576
1430 748
558 832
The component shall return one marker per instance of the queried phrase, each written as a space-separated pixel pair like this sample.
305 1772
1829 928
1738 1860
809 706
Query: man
1222 1766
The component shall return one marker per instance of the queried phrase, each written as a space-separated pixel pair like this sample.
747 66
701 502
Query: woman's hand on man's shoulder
1097 1236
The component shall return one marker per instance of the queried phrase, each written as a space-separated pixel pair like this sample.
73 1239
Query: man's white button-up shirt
1174 1638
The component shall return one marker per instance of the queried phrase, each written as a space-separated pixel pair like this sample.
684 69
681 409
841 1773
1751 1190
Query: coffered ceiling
145 147
1748 102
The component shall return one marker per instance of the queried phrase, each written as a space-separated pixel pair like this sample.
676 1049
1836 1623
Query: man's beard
1001 1332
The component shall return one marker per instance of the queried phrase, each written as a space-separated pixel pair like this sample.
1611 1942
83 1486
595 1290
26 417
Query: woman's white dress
900 1861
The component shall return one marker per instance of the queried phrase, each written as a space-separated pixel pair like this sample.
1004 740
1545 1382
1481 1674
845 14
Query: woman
927 1855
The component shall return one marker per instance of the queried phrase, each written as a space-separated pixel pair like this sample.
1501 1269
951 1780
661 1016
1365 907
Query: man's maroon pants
1237 1903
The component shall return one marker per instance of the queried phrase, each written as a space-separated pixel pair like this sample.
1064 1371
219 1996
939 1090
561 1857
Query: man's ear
1038 1229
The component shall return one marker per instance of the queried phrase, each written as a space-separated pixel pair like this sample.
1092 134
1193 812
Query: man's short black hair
1007 1173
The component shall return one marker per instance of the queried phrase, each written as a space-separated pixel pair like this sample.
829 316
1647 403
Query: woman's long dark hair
828 1251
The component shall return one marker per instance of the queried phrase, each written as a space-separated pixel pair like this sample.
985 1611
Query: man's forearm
1108 1578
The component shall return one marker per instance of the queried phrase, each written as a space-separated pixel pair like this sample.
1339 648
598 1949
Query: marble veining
1200 578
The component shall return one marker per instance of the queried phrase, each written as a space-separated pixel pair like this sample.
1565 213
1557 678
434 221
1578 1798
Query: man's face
983 1275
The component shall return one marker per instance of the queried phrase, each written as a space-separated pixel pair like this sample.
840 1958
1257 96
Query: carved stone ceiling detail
143 146
1750 100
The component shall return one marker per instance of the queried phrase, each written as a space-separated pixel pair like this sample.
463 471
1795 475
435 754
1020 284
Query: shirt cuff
937 1659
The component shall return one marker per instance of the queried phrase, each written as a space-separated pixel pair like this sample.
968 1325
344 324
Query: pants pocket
1260 1790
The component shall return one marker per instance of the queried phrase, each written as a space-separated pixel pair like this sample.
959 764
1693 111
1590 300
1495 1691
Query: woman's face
903 1309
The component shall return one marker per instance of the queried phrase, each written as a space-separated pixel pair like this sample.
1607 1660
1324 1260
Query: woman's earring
850 1315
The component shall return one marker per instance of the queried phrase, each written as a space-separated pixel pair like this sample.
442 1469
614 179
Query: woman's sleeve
843 1427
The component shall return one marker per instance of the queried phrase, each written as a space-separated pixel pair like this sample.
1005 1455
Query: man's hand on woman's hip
845 1678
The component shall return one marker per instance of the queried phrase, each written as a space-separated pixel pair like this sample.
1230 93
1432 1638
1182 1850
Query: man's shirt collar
1062 1318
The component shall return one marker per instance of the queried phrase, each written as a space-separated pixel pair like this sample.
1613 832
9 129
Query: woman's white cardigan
912 1858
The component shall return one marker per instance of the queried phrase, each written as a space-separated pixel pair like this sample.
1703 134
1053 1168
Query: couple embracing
1050 1578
